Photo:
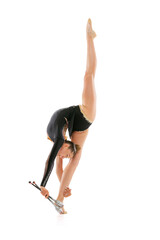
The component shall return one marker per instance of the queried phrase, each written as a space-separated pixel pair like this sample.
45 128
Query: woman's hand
67 192
44 192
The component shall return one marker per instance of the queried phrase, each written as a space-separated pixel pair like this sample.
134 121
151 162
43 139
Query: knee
75 160
91 69
89 75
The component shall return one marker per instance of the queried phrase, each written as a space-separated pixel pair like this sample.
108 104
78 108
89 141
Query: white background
115 189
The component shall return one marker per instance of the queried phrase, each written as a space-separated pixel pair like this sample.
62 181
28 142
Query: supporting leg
68 174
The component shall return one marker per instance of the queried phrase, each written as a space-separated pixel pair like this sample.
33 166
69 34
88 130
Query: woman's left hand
67 192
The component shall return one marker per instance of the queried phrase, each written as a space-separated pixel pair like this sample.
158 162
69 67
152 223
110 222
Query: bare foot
64 211
89 29
61 200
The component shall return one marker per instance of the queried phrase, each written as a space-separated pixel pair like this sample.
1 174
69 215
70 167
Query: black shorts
81 123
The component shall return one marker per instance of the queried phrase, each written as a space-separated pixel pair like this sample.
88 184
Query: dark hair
73 147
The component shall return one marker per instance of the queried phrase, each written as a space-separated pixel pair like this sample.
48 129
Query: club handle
36 186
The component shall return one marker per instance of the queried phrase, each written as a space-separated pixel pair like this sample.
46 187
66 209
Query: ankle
60 198
91 36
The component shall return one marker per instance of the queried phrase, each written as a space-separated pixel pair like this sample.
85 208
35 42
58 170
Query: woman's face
65 152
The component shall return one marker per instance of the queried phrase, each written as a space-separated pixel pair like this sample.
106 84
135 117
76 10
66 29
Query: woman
77 119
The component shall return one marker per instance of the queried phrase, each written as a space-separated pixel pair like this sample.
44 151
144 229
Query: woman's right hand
44 192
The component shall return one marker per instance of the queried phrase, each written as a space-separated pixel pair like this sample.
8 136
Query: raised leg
89 91
91 54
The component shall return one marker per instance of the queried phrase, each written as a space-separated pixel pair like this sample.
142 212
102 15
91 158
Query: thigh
79 137
89 96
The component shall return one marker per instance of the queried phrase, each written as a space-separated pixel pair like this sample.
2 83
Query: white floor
121 213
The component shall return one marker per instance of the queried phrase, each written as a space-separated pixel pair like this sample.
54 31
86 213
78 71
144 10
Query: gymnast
77 119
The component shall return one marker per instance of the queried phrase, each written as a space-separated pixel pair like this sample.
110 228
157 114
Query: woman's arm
50 161
59 167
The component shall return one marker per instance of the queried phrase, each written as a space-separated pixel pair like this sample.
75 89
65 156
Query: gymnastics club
57 202
40 190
